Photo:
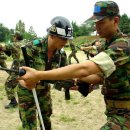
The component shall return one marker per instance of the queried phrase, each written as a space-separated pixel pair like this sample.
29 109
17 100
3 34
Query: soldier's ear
116 19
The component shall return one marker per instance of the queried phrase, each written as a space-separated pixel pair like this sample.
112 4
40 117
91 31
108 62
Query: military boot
13 103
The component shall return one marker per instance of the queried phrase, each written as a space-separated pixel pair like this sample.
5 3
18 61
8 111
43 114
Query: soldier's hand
30 75
82 48
29 80
26 85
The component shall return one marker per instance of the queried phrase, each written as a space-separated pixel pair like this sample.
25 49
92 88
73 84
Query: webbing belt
118 104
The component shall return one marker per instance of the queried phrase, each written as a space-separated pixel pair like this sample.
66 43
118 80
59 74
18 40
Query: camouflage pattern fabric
10 85
116 88
103 9
38 59
73 53
101 47
2 59
11 81
27 107
115 122
106 8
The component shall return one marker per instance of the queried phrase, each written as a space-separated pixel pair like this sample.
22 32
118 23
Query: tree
83 30
125 24
20 26
86 29
32 32
4 33
75 29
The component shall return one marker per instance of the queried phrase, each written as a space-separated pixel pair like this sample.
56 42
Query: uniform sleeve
116 56
106 64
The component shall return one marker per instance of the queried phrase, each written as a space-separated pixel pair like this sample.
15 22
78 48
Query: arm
68 72
88 48
93 79
100 63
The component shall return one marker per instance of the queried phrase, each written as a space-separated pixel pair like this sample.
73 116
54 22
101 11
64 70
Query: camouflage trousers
27 107
3 63
10 85
115 122
74 56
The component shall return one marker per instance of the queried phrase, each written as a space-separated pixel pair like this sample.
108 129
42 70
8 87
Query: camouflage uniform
116 88
93 49
101 47
39 60
11 81
114 62
73 53
2 59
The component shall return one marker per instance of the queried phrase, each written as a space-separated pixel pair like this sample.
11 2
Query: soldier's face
59 42
106 27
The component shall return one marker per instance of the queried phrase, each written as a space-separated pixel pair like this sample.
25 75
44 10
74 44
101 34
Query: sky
38 13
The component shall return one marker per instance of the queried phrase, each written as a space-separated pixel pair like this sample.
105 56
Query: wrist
39 75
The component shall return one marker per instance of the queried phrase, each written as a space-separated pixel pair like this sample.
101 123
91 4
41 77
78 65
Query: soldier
3 57
44 56
13 50
94 48
73 53
113 63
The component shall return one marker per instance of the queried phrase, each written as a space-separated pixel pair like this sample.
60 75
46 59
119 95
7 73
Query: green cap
104 9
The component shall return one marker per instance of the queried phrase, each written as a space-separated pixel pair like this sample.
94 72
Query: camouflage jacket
118 83
116 70
38 57
14 50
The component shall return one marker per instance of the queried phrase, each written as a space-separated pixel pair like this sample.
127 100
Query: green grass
67 118
84 39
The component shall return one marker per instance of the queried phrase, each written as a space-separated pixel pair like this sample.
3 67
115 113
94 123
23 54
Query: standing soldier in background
13 49
3 57
94 48
73 52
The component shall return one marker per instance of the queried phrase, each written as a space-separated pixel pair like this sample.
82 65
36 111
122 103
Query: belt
118 104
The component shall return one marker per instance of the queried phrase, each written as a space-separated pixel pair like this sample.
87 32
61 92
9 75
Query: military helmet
61 27
103 9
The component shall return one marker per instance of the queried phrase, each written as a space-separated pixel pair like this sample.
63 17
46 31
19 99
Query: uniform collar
114 37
